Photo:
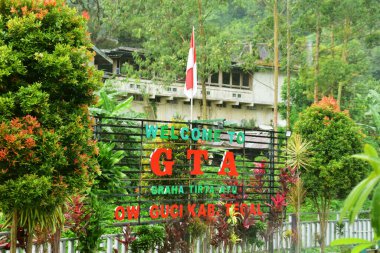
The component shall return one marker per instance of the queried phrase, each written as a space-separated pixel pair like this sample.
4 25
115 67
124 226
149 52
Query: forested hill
334 45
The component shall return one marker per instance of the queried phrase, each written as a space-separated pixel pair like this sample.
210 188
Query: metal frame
129 135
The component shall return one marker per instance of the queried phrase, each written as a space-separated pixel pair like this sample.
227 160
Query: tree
46 54
275 64
163 33
334 137
288 51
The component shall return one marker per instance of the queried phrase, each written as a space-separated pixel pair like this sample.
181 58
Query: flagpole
191 110
191 100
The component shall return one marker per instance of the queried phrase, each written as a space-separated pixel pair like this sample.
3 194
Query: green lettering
164 130
153 190
206 134
172 134
182 133
217 133
150 131
240 139
193 131
231 134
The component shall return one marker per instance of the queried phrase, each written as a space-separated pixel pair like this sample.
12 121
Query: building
233 96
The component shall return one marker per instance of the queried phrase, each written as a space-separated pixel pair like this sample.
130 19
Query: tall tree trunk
323 219
29 242
275 102
332 41
203 60
346 34
56 241
288 64
14 232
148 109
316 60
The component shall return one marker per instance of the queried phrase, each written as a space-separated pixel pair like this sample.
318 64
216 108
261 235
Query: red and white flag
191 70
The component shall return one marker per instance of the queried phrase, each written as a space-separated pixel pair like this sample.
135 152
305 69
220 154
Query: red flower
3 153
50 2
86 15
30 143
279 202
16 123
259 171
10 138
24 10
328 103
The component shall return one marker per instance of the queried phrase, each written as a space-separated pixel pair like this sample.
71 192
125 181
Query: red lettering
164 211
180 211
197 160
210 210
190 208
154 212
228 162
202 210
133 212
172 209
155 162
242 209
258 210
255 211
117 210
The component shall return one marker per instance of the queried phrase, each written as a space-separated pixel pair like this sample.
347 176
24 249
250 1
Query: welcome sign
177 169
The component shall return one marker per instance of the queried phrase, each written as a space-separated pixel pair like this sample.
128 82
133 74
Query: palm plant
297 152
298 156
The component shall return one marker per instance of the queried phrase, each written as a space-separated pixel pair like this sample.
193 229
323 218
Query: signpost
200 170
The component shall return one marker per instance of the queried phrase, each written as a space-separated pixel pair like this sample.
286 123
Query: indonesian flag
191 70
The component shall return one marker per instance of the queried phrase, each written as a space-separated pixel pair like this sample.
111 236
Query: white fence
310 232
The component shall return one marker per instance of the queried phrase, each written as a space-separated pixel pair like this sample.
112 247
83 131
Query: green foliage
111 177
148 238
297 152
33 100
89 239
27 192
85 217
196 228
361 244
111 103
9 61
333 138
360 193
109 107
46 85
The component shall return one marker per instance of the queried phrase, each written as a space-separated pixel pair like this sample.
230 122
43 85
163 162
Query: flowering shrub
27 148
46 77
334 137
332 172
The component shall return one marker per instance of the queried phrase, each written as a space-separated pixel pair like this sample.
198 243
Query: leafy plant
111 177
127 237
355 200
86 220
47 81
148 238
333 138
298 152
108 106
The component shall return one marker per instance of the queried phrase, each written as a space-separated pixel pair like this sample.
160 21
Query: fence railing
310 234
